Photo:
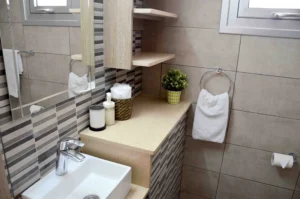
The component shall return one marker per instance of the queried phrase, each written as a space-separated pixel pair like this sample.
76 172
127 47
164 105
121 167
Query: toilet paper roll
281 160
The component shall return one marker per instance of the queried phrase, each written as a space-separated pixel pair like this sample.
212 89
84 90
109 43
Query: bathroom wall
46 73
265 108
28 145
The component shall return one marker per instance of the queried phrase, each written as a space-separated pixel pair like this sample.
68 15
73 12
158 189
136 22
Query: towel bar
218 71
28 52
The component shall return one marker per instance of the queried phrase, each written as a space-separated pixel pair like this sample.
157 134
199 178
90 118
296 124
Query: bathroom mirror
41 55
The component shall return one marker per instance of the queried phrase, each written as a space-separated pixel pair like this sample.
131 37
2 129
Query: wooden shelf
148 13
77 57
150 59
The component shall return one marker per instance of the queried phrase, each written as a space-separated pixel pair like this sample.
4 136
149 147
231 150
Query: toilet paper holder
294 156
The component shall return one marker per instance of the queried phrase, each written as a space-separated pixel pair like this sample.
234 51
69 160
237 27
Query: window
50 12
53 6
279 18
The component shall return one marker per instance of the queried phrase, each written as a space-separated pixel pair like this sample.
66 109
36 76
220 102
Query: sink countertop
137 192
151 122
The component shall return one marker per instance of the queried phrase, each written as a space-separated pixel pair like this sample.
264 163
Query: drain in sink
91 197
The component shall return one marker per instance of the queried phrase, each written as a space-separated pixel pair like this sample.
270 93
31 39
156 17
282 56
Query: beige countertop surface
137 192
151 122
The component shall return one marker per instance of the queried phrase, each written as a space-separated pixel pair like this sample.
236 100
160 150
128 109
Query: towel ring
71 64
218 71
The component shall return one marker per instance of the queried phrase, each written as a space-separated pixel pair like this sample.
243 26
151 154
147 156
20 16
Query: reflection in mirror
42 63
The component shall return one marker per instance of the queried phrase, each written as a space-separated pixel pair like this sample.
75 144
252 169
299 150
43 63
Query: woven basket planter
123 109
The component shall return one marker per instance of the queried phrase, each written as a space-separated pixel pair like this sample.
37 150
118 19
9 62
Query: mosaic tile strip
137 41
46 137
98 31
110 78
167 164
5 113
83 103
20 154
66 118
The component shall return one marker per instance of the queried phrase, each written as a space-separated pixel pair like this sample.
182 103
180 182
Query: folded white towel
12 73
77 84
35 109
211 117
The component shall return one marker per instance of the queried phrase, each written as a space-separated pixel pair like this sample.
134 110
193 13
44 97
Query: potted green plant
174 82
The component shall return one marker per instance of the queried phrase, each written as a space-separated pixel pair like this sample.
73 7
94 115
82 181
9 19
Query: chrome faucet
68 148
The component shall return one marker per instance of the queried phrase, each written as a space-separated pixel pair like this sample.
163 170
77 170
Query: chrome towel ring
218 71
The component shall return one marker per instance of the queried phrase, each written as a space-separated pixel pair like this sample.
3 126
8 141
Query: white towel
13 76
35 109
77 84
211 117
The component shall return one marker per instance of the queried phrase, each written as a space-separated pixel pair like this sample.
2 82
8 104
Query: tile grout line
229 117
241 178
245 111
247 147
243 72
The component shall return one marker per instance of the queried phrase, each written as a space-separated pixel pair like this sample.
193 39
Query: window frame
240 20
53 19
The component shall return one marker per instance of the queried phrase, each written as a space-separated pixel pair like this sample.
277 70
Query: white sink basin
93 176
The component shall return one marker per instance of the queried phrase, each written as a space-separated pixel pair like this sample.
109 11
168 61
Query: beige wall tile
184 195
41 89
271 56
25 66
152 81
25 91
255 165
296 195
192 13
49 67
151 36
47 39
267 95
199 182
3 11
18 36
236 188
213 83
75 40
264 132
16 11
204 155
201 47
298 185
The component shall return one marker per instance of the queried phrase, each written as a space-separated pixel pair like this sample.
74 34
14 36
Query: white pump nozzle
108 103
108 97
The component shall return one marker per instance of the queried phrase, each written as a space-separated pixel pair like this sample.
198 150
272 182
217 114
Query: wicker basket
123 109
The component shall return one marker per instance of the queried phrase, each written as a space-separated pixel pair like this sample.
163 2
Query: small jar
97 118
109 110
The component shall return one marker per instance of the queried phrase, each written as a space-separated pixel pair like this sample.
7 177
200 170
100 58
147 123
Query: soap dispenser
109 110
